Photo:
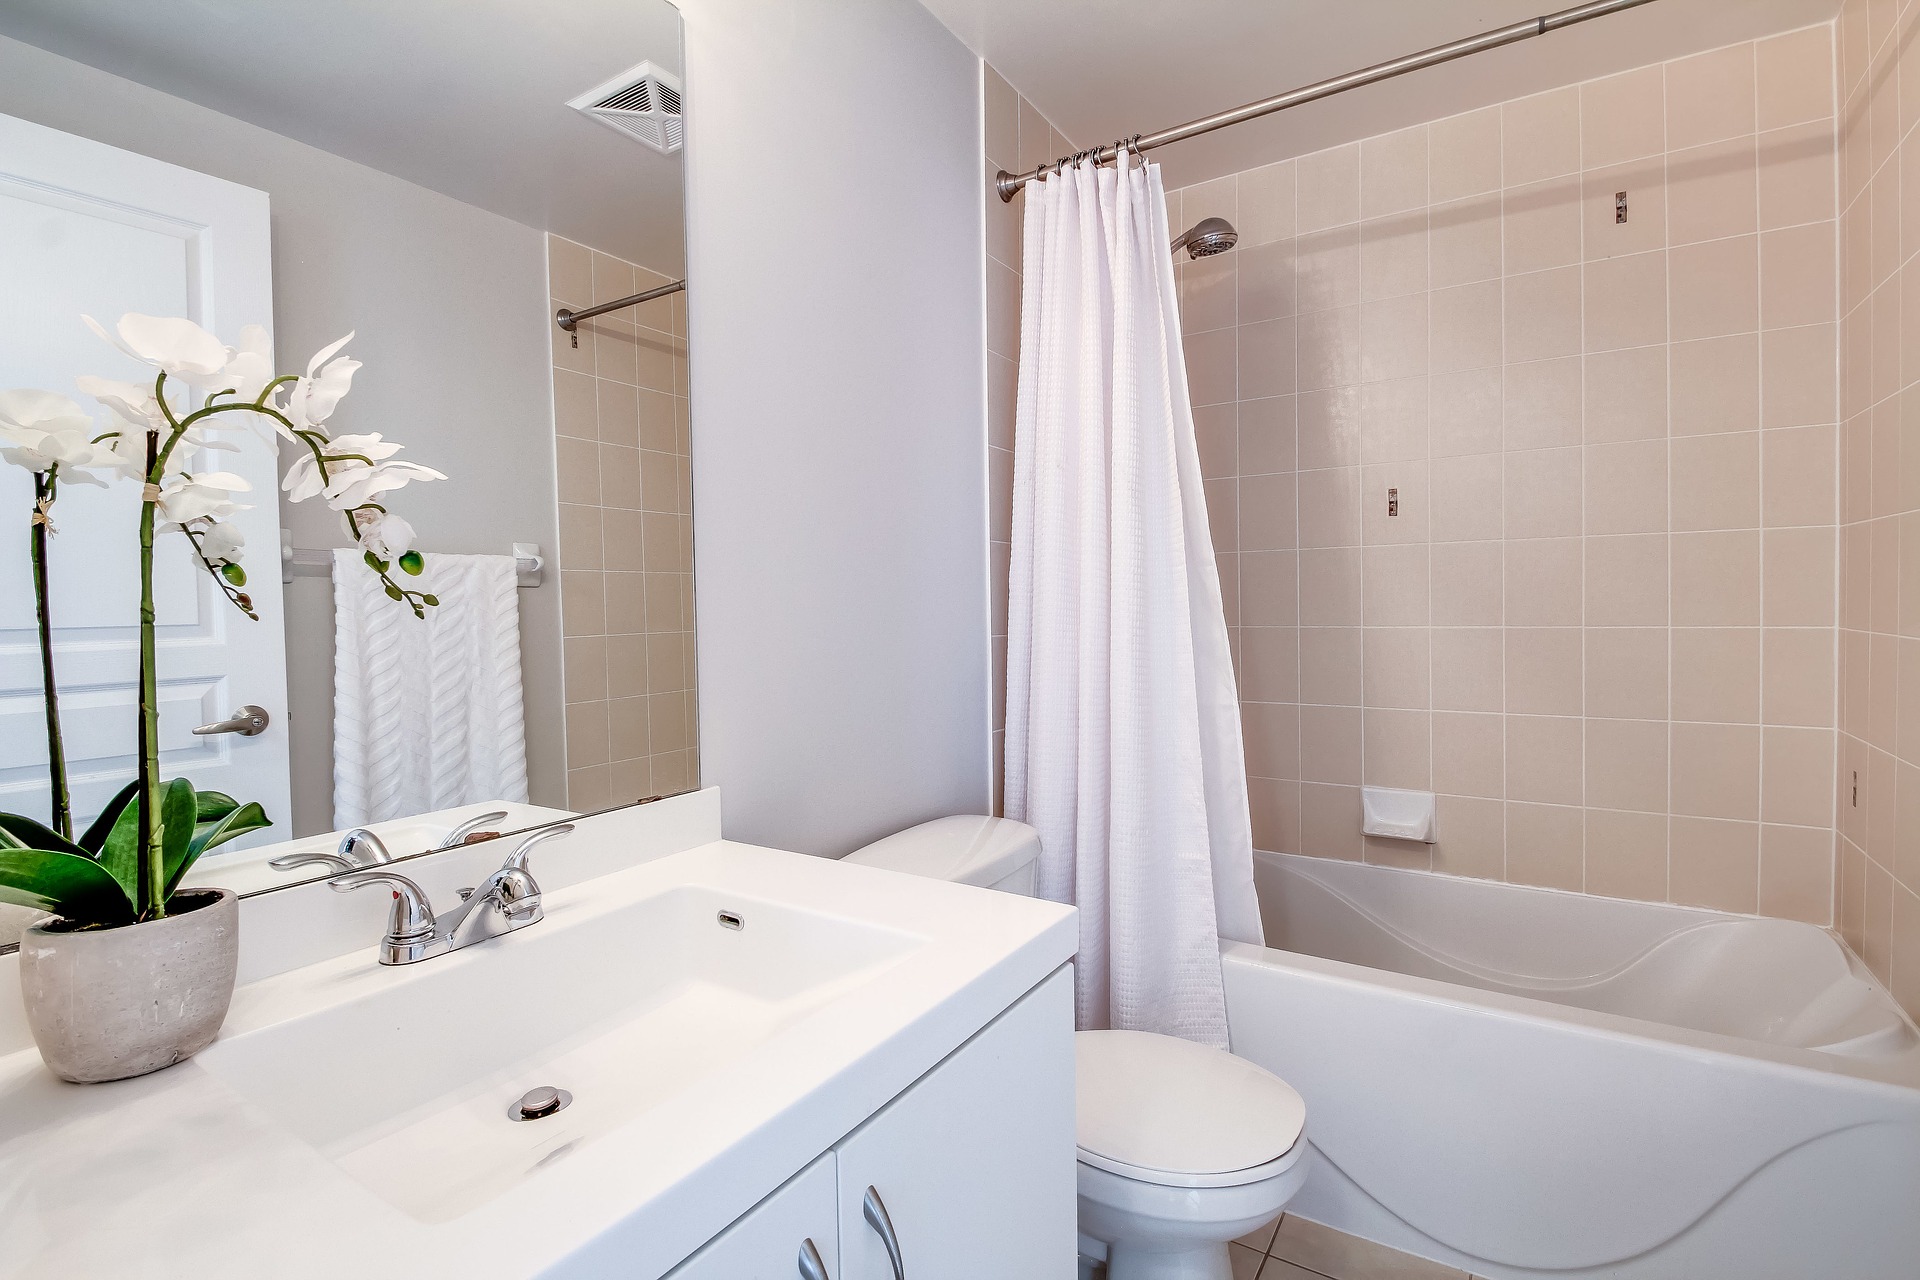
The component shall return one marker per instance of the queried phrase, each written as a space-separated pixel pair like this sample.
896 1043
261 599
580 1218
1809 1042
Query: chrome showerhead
1207 237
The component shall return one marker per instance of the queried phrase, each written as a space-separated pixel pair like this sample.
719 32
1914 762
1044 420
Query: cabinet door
974 1164
765 1243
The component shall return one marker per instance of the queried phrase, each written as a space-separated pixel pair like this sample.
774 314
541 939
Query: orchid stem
44 491
151 863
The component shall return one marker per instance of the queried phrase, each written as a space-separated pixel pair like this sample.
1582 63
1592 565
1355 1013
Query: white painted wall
450 306
839 447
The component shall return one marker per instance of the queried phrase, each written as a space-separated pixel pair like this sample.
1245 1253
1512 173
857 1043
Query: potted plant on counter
131 973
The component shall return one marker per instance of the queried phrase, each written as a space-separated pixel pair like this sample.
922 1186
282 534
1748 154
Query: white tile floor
1293 1248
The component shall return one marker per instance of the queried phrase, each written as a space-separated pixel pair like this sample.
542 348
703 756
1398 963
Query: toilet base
1157 1232
1202 1262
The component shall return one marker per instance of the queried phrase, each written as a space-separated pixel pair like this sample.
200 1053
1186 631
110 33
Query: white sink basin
406 1082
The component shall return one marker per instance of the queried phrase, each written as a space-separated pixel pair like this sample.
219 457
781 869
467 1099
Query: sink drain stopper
537 1104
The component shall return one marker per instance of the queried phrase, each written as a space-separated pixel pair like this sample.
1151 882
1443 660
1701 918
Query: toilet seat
1162 1178
1166 1111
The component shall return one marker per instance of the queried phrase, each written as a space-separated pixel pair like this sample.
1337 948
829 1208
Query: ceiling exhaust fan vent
642 102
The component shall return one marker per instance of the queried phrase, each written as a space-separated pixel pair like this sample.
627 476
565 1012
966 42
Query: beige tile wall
1018 137
1601 625
626 534
1878 880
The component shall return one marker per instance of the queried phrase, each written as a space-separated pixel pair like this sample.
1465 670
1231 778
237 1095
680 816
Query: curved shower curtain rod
1009 183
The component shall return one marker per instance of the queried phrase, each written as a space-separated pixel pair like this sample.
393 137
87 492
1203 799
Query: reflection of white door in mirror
87 228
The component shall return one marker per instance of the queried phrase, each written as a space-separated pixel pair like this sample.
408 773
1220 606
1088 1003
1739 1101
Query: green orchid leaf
22 832
178 805
94 839
208 835
214 804
120 852
70 885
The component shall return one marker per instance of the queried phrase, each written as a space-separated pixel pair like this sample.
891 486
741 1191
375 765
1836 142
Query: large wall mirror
448 188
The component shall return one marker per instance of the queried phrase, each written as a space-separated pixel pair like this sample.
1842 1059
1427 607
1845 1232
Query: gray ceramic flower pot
106 1004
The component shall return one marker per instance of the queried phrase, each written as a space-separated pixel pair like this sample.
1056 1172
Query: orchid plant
125 867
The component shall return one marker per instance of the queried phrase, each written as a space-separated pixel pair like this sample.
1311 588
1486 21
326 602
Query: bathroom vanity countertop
202 1171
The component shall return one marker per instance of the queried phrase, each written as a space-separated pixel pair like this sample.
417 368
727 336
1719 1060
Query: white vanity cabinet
767 1242
973 1165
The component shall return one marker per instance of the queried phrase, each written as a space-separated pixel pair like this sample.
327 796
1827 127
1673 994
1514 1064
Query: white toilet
1182 1147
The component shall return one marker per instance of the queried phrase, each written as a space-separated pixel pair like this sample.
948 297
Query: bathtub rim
1899 1074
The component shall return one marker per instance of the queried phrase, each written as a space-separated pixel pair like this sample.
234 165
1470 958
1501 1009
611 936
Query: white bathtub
1520 1082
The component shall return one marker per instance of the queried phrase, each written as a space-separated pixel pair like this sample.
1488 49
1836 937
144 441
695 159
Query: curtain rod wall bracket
1008 184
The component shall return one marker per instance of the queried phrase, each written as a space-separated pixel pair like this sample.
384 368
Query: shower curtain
1123 724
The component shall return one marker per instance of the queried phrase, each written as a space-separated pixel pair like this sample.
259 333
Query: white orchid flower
312 399
303 479
361 484
385 534
353 481
251 367
131 402
176 346
221 543
206 495
41 430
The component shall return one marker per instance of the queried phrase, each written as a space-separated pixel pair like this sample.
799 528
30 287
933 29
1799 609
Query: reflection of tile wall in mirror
626 533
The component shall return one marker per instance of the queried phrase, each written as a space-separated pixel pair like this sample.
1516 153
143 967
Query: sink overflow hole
728 920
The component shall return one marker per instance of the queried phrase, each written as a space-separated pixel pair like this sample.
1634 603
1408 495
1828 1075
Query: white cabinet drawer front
765 1243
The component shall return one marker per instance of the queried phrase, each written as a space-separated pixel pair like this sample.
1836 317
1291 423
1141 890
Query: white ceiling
1105 69
467 98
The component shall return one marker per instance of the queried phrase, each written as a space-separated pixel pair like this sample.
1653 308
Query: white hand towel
426 713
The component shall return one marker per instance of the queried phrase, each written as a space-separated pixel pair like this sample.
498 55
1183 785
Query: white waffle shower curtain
1123 723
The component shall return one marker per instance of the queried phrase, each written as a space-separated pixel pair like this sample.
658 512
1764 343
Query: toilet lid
1169 1106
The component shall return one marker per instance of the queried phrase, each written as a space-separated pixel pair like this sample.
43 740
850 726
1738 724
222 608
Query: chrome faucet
508 899
348 858
459 834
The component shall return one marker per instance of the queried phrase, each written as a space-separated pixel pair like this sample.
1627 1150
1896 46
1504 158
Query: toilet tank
994 853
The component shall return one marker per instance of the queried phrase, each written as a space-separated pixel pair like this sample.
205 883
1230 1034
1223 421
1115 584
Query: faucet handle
411 920
459 834
517 860
288 862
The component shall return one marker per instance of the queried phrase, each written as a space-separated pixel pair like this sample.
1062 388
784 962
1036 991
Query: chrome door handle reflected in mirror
874 1210
246 722
811 1265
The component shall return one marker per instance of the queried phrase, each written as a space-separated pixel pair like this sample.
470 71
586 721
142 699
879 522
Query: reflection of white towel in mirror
426 715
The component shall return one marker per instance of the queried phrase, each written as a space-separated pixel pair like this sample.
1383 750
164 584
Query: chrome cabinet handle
874 1210
811 1267
246 722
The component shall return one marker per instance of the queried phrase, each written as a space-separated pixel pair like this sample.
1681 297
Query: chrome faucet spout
352 843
